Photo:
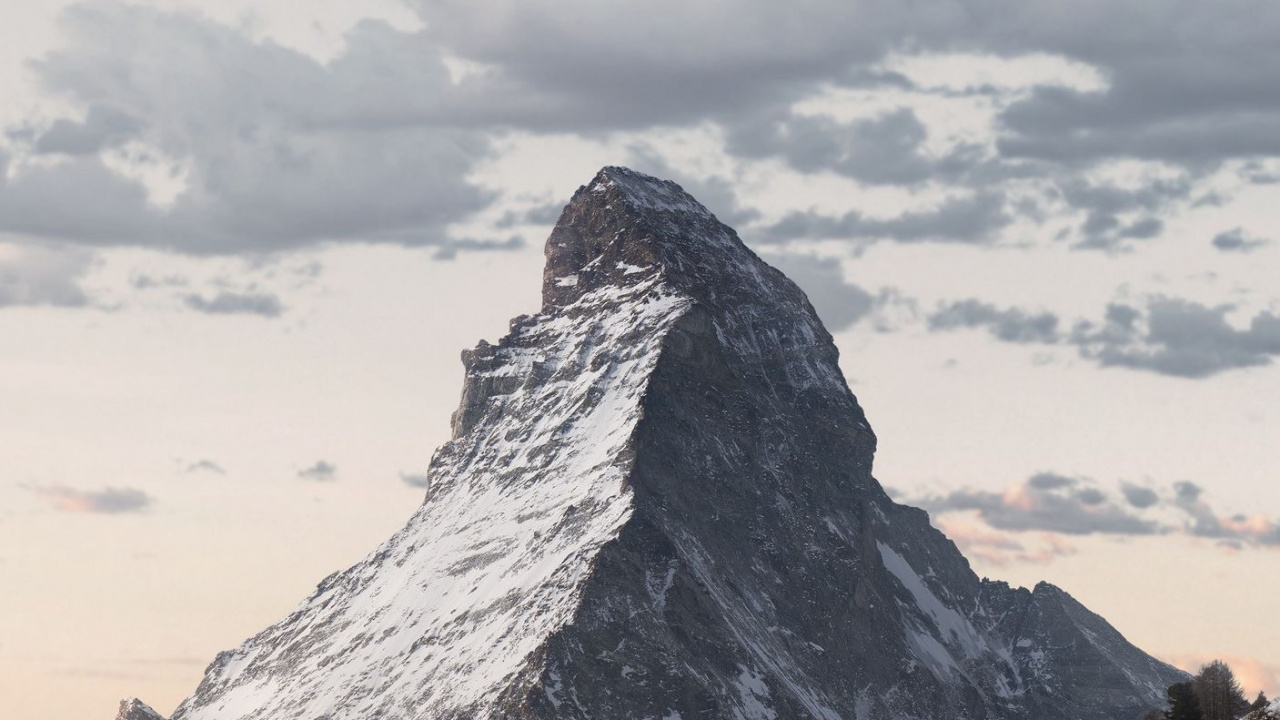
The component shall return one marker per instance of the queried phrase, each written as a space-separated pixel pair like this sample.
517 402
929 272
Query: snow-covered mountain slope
658 503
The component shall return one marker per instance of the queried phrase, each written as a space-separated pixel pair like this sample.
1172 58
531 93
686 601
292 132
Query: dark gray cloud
1187 82
1009 325
1186 86
416 480
1139 496
321 471
1235 240
1049 502
1202 521
280 151
1198 104
1115 215
234 303
672 60
1172 337
103 127
277 150
1051 481
974 219
885 149
1180 338
205 466
107 501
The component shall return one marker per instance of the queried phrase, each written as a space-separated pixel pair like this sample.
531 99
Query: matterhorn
658 503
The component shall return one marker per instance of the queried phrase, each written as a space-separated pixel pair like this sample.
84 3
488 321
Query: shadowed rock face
658 503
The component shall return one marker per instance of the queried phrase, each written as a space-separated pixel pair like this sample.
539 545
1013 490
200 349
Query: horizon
243 244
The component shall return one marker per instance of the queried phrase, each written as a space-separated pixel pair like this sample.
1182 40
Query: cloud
38 275
259 148
321 471
1181 87
973 219
103 127
262 148
416 480
247 146
1188 110
1203 521
1056 505
1046 501
1235 240
1174 337
884 149
1180 338
1184 83
233 303
1011 325
1115 215
205 466
108 501
1139 496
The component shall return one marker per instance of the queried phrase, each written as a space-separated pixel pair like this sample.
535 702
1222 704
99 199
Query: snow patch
953 627
451 608
754 692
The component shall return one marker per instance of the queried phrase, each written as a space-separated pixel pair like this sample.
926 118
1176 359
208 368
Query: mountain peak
624 225
658 502
135 709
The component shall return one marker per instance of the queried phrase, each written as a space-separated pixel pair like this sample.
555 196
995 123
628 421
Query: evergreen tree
1260 703
1219 693
1183 704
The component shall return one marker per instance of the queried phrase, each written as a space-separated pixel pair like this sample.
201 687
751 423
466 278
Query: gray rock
135 709
658 503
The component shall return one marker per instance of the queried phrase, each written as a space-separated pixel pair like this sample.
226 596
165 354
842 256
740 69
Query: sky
242 245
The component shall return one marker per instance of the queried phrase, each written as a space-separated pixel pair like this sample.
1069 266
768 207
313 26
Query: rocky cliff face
658 503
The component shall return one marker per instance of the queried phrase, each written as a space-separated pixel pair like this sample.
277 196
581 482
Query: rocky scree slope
658 503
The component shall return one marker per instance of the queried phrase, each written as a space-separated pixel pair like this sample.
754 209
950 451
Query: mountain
658 503
135 709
